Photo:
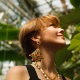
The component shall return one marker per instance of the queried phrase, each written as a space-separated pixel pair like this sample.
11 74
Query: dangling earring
36 55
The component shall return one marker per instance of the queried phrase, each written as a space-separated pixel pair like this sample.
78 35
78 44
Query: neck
48 61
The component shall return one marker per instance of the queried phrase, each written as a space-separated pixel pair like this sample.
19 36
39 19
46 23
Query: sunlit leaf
78 27
77 49
5 26
10 34
77 36
74 44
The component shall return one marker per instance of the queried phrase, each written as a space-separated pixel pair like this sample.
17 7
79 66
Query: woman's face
53 36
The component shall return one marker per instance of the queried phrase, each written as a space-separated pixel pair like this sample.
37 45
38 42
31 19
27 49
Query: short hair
32 27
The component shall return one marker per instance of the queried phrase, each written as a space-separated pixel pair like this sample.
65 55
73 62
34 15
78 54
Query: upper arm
16 73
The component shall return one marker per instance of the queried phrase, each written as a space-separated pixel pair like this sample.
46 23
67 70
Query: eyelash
52 24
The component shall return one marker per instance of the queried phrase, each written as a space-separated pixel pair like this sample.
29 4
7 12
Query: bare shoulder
17 73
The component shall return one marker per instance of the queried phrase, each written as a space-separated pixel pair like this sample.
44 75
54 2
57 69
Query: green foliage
78 27
63 55
4 26
8 32
75 60
10 55
78 78
71 18
75 3
75 42
65 60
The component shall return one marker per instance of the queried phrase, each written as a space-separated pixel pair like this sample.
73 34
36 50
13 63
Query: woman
40 39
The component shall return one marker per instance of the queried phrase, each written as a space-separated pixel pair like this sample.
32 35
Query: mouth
61 36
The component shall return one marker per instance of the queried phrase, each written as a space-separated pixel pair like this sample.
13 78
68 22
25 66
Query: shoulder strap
32 72
63 78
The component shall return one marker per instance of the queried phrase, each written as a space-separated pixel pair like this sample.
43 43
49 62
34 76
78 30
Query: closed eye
52 24
55 25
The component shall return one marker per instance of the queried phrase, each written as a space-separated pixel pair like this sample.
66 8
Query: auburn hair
34 26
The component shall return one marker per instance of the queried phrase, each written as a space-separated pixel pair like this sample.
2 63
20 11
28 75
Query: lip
61 36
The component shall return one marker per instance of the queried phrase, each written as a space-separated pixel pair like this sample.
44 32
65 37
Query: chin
62 41
60 44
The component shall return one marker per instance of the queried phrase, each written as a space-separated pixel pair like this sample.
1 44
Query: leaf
66 35
75 3
10 34
4 26
78 27
63 55
70 18
77 36
10 55
69 73
78 78
77 49
74 44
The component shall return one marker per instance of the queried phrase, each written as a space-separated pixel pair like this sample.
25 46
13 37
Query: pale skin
51 40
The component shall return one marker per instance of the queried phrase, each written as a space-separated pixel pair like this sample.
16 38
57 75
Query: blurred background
15 13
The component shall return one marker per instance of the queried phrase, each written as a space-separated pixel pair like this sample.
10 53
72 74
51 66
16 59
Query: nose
61 30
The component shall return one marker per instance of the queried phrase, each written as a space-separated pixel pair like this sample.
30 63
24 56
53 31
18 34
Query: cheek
49 36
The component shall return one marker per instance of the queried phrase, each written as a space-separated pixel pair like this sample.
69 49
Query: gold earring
36 55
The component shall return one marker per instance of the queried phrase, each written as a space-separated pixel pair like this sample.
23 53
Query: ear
35 38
